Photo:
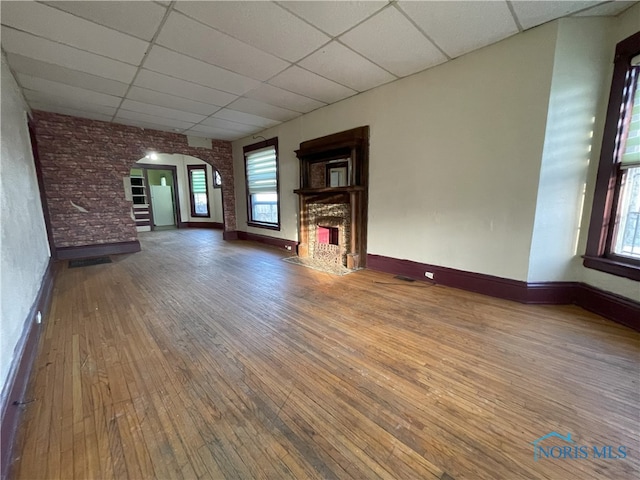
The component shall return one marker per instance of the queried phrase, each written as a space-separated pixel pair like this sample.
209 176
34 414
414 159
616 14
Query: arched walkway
84 163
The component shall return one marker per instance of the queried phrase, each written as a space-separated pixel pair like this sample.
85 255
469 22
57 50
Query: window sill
614 267
268 226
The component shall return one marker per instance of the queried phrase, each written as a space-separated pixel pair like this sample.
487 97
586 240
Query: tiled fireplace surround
329 216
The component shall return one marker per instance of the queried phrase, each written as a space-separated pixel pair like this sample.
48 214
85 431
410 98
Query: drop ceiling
228 69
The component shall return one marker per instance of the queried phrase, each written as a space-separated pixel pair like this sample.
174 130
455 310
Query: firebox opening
327 235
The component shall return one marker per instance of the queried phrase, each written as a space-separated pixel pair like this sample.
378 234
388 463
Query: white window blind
631 154
198 181
261 171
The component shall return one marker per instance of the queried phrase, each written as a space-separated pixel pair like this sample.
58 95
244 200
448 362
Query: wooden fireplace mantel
316 191
350 149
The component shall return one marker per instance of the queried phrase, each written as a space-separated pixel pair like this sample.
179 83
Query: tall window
261 169
198 189
613 244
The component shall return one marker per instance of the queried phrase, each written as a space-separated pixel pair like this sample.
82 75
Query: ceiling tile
304 82
183 88
606 9
460 27
33 96
153 119
28 45
177 65
70 30
228 125
282 98
213 132
391 41
140 19
170 101
264 25
261 109
50 107
49 71
147 125
159 111
67 91
533 13
247 118
336 17
337 62
195 39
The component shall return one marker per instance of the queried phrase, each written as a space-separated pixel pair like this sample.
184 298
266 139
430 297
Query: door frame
176 196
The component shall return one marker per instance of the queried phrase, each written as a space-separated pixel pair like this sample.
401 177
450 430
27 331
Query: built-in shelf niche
334 170
140 200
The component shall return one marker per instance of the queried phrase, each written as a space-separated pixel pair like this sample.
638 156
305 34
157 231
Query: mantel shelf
316 191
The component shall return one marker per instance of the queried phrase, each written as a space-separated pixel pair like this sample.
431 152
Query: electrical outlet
429 275
288 247
39 317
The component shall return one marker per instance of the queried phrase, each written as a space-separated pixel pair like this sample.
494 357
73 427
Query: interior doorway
158 194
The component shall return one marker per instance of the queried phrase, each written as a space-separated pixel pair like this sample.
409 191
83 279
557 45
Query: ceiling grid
229 69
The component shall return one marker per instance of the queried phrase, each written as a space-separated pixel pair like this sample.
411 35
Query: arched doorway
84 163
174 190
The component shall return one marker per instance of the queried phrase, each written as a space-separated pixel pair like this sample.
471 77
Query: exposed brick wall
84 162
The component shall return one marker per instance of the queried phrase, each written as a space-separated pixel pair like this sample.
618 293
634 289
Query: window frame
191 168
247 149
598 254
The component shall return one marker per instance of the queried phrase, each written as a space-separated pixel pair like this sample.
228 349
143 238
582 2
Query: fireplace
329 233
333 199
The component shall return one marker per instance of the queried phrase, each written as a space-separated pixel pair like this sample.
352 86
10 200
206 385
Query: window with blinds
261 169
198 190
631 131
613 239
626 234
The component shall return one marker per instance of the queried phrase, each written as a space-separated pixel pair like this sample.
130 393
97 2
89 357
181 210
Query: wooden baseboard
285 244
97 250
473 282
608 305
216 225
230 235
25 353
554 293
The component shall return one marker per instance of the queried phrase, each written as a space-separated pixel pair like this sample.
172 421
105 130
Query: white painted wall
181 162
24 250
455 155
623 26
581 73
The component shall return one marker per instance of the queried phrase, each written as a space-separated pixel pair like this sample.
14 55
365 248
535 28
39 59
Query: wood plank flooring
198 358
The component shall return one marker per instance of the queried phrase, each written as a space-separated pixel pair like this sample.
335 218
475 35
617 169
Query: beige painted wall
580 75
24 250
181 162
455 157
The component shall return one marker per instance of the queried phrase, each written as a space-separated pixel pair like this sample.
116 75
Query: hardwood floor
198 358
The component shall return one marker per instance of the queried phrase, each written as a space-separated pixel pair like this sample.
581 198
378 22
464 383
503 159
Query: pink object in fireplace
327 235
